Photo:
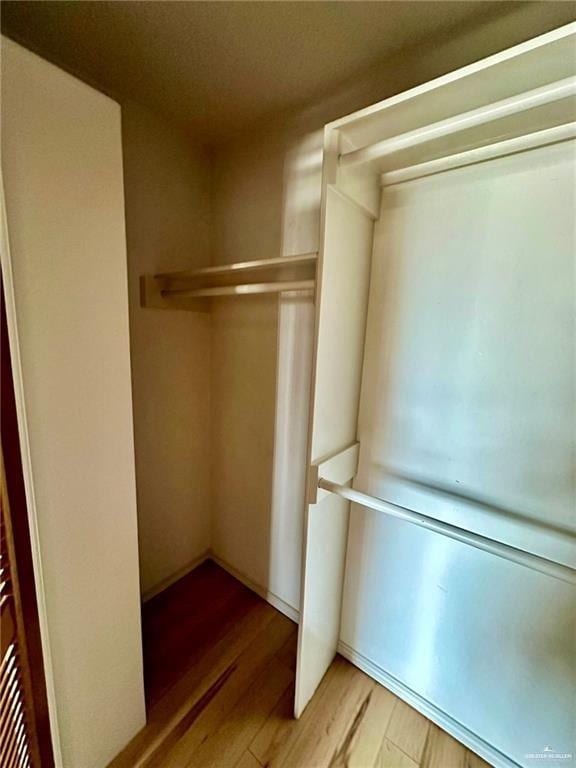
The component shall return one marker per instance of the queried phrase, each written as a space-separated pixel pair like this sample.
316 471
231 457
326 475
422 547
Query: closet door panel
487 646
468 414
342 295
342 298
468 403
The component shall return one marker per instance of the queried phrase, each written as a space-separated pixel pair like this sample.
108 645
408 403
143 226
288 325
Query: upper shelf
533 112
190 289
534 64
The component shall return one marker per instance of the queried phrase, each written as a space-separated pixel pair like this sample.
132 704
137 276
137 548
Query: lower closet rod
506 551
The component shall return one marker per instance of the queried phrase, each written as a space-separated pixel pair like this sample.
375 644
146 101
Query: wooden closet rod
241 290
513 105
481 154
506 551
277 262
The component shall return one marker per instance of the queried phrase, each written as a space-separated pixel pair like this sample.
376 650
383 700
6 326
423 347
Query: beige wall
67 313
167 190
266 201
259 211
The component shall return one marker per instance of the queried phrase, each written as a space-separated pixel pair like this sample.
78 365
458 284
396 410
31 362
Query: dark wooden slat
14 726
19 613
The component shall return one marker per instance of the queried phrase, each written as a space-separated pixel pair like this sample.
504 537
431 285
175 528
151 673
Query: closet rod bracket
152 297
340 467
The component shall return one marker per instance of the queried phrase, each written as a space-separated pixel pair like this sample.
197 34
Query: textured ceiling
218 66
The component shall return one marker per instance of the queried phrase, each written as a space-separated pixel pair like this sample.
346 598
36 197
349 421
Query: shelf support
340 468
152 297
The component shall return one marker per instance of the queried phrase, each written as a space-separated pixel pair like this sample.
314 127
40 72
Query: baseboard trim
275 601
169 580
429 710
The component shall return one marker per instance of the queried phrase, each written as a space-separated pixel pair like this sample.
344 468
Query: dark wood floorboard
180 624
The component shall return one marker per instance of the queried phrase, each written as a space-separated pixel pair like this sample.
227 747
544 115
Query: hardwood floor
220 666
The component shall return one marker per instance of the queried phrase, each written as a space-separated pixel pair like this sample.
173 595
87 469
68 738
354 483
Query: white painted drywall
62 172
167 190
260 378
243 387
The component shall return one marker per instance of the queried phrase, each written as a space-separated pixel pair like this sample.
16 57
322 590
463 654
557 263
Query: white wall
62 171
266 202
167 189
247 224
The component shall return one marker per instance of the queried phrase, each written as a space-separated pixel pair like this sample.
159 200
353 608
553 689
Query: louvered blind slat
14 740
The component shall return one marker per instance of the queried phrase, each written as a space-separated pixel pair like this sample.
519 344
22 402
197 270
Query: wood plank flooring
220 666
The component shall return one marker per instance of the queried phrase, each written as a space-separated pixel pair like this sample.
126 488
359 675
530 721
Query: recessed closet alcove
436 311
353 428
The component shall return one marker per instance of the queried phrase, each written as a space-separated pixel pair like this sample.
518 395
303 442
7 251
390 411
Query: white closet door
467 414
341 305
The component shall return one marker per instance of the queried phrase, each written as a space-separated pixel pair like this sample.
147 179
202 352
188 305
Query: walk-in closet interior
308 394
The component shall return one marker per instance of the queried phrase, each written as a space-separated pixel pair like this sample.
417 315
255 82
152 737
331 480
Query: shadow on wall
300 234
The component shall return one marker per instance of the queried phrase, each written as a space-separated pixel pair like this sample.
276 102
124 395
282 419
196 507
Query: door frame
23 518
